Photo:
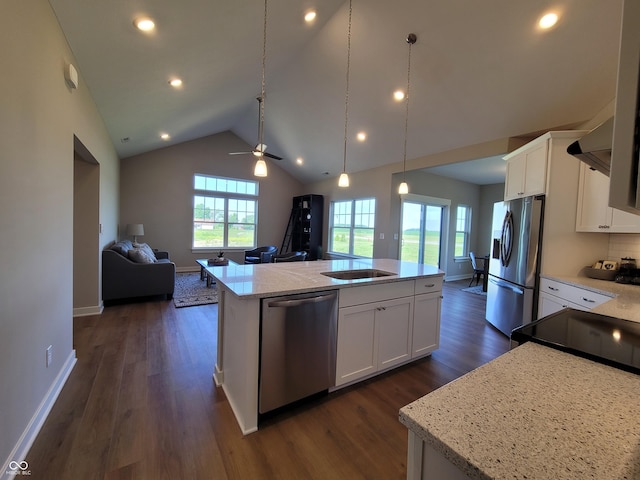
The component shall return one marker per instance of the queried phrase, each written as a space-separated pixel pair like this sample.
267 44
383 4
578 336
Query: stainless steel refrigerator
512 292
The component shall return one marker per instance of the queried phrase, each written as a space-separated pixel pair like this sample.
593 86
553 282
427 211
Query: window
352 227
463 228
224 212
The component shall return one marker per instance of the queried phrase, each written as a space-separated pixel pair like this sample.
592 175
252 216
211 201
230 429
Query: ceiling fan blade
275 157
239 153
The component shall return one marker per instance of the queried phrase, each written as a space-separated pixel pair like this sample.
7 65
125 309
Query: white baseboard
87 311
187 269
453 278
19 452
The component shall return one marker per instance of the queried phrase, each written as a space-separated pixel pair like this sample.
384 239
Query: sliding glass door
422 231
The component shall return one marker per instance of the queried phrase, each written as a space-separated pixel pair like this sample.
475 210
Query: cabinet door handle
431 285
588 300
553 289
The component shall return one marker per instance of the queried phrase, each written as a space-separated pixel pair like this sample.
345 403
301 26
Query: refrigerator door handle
509 286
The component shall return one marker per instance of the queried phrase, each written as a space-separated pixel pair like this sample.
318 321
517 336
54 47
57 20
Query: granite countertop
624 304
270 279
535 413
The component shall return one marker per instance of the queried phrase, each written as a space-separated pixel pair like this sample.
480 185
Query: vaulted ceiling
480 71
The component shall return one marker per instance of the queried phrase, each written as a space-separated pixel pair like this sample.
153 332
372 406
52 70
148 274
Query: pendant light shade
403 189
343 181
260 170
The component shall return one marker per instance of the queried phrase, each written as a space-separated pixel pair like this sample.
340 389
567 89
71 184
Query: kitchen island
404 304
534 413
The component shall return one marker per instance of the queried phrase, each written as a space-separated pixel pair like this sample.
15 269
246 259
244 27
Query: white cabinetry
554 296
526 171
426 316
382 326
594 213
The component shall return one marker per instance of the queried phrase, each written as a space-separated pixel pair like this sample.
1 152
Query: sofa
131 270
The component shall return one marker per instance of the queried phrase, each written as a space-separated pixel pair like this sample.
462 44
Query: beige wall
157 191
38 119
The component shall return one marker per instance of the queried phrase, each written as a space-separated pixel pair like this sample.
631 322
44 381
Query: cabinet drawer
581 296
375 293
428 285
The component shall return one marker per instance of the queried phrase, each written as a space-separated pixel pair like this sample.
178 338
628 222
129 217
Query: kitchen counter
625 302
241 289
534 413
273 279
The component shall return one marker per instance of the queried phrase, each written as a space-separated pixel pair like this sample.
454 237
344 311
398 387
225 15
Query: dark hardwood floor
141 404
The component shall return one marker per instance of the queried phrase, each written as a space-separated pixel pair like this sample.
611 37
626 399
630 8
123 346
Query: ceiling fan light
343 181
260 169
403 189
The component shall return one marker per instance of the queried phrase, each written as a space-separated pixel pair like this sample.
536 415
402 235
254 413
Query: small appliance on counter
609 340
628 272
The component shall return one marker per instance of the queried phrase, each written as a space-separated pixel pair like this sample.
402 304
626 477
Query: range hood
595 147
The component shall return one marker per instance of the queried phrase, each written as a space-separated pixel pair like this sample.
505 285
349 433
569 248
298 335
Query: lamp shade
135 229
260 169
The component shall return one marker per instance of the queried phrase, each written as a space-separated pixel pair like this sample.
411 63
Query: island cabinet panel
394 321
426 324
386 325
357 350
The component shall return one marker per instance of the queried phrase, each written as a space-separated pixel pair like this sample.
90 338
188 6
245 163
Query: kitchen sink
357 274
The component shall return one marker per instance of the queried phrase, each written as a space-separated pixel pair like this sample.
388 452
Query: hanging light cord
262 90
346 96
411 39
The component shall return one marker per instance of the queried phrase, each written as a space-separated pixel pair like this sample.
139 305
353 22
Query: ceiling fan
260 148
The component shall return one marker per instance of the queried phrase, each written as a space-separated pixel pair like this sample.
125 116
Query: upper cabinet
527 170
594 213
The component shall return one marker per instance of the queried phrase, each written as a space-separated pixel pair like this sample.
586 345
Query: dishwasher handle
301 301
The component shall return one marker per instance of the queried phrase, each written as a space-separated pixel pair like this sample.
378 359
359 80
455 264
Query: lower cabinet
426 324
376 333
554 296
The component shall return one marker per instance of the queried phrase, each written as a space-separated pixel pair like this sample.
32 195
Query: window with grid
463 229
224 212
352 227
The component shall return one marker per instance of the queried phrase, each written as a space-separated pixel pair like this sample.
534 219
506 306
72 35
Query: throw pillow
147 249
138 255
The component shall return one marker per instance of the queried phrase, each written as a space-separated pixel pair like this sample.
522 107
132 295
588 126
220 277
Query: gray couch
124 278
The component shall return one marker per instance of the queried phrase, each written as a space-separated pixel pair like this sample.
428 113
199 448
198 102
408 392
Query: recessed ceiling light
310 16
398 95
144 23
299 161
548 20
361 136
175 82
165 136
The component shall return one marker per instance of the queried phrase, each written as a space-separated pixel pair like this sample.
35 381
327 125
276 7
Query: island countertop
534 413
270 279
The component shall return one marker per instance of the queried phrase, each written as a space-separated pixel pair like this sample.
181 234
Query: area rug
191 291
476 289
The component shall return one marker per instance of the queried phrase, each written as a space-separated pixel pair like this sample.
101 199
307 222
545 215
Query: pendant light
260 169
343 181
404 188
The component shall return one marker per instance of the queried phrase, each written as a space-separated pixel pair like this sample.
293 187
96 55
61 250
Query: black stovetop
609 340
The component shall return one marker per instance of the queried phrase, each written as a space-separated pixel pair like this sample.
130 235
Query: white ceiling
480 71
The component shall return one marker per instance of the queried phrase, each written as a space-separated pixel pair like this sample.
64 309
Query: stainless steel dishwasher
297 347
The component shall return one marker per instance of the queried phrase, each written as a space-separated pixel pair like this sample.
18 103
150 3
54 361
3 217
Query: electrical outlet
49 355
382 236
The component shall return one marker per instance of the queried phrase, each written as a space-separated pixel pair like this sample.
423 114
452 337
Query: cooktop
609 340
